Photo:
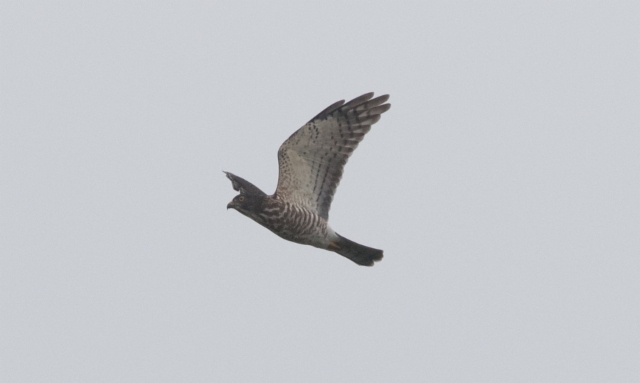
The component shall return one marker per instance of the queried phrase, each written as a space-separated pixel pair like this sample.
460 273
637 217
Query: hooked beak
230 205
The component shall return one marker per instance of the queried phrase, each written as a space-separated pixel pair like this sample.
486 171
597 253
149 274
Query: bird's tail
362 255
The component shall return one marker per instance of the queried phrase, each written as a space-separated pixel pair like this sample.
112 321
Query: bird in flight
311 162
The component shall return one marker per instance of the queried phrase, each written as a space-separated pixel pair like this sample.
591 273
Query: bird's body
305 226
311 164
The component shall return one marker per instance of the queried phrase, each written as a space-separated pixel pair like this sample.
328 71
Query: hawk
311 162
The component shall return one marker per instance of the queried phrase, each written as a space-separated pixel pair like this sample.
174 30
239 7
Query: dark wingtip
229 176
384 98
243 186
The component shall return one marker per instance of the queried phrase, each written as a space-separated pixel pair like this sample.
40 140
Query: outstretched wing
243 186
312 159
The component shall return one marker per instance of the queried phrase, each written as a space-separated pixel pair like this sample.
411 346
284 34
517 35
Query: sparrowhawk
311 162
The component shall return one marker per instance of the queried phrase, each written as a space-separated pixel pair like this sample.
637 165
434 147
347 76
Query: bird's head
246 203
250 198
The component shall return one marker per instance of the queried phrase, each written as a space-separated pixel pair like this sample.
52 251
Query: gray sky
502 185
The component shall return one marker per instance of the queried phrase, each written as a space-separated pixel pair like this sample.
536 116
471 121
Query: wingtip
384 98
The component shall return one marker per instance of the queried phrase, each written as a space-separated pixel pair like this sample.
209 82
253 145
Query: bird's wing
243 186
312 159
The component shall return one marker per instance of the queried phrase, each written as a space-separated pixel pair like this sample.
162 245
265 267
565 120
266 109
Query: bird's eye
241 198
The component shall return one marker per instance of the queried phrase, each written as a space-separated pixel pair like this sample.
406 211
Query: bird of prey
311 162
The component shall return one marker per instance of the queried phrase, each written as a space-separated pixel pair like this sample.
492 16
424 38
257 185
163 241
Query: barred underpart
311 163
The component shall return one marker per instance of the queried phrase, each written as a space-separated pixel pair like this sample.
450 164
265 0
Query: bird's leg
333 246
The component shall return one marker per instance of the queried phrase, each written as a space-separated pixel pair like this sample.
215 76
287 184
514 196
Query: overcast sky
503 186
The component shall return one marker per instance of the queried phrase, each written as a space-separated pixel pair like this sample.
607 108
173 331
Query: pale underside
312 160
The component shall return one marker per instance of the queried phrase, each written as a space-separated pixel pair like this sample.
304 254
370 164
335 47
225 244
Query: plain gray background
503 185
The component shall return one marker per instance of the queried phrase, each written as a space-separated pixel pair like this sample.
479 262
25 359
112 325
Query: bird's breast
293 222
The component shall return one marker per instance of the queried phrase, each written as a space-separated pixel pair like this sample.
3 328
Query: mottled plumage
311 163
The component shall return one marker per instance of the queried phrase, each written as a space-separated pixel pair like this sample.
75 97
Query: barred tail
362 255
